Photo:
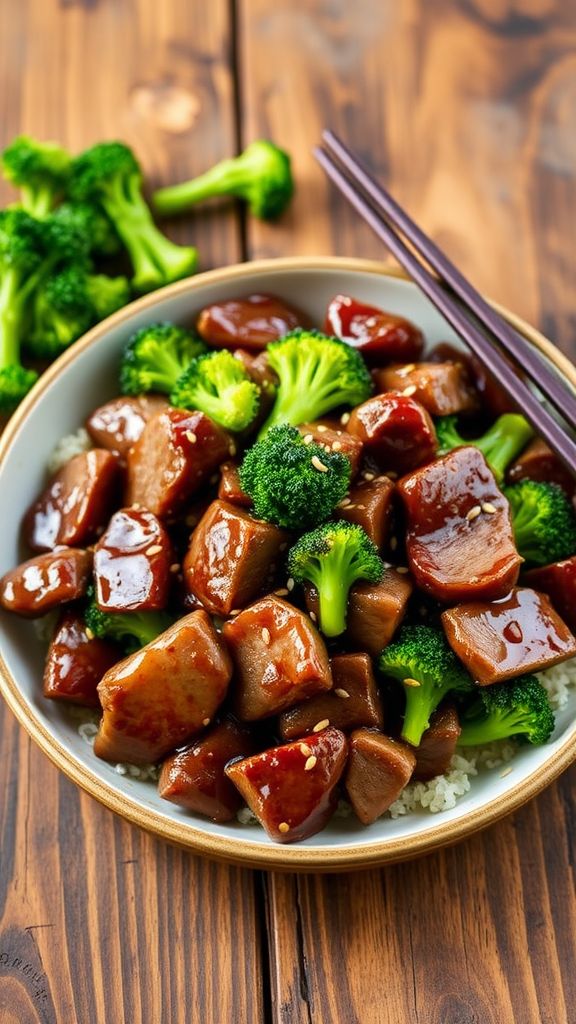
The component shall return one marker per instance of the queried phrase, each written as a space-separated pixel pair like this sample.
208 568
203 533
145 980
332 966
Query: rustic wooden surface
467 110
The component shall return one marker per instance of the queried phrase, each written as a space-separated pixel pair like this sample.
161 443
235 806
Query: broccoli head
333 557
109 175
543 521
423 661
316 374
94 225
107 294
500 445
218 385
156 356
519 708
131 630
261 176
39 169
291 483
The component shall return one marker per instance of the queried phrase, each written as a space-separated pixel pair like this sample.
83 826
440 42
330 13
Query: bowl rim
240 851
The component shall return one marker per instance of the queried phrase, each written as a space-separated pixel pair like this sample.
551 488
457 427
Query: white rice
67 447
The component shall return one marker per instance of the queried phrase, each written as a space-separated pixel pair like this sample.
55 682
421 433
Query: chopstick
554 387
486 351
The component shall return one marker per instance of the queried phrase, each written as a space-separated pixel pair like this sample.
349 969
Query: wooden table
467 110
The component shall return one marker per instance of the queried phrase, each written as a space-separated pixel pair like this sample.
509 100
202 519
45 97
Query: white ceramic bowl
86 376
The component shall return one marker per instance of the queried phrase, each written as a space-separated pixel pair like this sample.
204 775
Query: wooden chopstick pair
388 220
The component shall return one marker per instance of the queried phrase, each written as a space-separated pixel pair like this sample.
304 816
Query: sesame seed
154 550
281 592
310 763
341 693
265 635
205 721
344 419
344 502
318 464
360 506
411 682
191 436
368 476
336 446
473 513
89 633
136 505
489 508
402 569
405 370
410 390
322 429
313 616
306 750
321 725
284 827
235 611
351 506
308 438
290 584
174 567
393 543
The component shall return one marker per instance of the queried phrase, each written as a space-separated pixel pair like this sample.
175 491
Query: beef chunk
42 583
353 701
378 770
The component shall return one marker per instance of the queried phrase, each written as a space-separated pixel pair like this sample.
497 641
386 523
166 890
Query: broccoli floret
39 169
517 708
333 557
261 175
67 304
543 521
30 250
93 223
280 474
501 443
316 373
218 385
428 668
131 629
156 356
108 174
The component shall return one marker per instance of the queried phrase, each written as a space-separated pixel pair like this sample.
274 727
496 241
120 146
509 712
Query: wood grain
466 110
98 921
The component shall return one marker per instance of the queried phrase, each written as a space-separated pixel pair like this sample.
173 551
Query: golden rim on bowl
183 833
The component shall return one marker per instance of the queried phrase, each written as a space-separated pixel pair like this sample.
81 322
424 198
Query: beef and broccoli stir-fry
298 564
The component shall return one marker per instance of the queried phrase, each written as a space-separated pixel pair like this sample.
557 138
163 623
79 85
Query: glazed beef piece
375 610
352 702
77 502
194 777
438 745
132 563
381 337
229 488
442 388
378 770
369 505
42 583
251 322
280 658
118 424
232 558
459 540
292 789
520 634
163 694
76 662
396 431
333 439
175 456
493 400
538 462
558 581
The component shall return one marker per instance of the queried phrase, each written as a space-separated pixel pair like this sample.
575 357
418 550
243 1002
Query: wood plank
466 111
98 921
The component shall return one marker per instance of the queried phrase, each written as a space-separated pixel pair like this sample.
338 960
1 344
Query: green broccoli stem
477 732
10 320
296 409
333 603
504 441
421 701
155 259
37 201
223 179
